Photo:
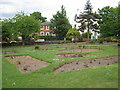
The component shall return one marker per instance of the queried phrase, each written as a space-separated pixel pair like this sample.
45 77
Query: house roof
46 23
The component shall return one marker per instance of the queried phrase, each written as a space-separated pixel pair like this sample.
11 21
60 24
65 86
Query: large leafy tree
26 25
60 23
8 30
73 33
87 19
38 16
110 21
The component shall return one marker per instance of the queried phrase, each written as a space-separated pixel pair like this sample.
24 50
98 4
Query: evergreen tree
60 23
87 19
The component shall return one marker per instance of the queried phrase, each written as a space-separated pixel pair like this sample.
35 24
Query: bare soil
8 52
82 64
27 64
41 49
82 50
72 55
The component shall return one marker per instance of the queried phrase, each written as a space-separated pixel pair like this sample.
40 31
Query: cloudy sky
8 8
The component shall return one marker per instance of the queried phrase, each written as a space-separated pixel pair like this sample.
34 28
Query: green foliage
82 46
9 31
22 25
92 41
87 19
85 35
64 41
100 41
61 23
73 33
26 25
38 16
108 39
49 37
36 47
109 25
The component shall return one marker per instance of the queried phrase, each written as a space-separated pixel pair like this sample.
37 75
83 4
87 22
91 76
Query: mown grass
97 77
0 68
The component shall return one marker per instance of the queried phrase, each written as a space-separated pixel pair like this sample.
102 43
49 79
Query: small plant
84 46
36 47
92 41
57 47
80 46
100 41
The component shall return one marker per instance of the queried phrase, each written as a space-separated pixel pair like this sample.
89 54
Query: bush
49 37
108 39
36 47
115 40
82 46
92 41
64 41
100 41
85 35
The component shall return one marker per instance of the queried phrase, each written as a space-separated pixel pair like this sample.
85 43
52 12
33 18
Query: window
47 33
42 33
47 27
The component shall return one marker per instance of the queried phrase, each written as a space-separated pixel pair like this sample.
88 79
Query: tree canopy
8 30
73 33
26 25
22 25
87 19
38 16
109 25
60 23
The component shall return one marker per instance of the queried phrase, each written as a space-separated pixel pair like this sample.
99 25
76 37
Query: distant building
45 30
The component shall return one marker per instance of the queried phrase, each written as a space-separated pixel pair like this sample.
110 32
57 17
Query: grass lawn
96 77
0 69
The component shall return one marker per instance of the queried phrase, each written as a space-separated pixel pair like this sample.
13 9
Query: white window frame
47 27
42 33
47 33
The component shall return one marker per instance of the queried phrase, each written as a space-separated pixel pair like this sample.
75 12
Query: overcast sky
8 8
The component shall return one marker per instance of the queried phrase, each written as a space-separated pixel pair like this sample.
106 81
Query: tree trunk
88 30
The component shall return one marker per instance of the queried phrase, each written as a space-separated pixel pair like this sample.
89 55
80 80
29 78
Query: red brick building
46 29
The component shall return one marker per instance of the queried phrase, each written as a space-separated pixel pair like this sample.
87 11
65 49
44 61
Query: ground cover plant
95 77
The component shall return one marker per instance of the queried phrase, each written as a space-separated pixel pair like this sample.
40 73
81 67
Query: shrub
100 41
108 39
84 46
85 35
81 46
36 47
64 41
92 41
49 37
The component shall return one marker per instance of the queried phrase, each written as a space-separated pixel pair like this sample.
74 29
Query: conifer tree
60 23
87 19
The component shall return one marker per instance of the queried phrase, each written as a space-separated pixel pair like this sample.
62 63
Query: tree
26 25
38 16
109 25
60 23
8 30
73 33
88 20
